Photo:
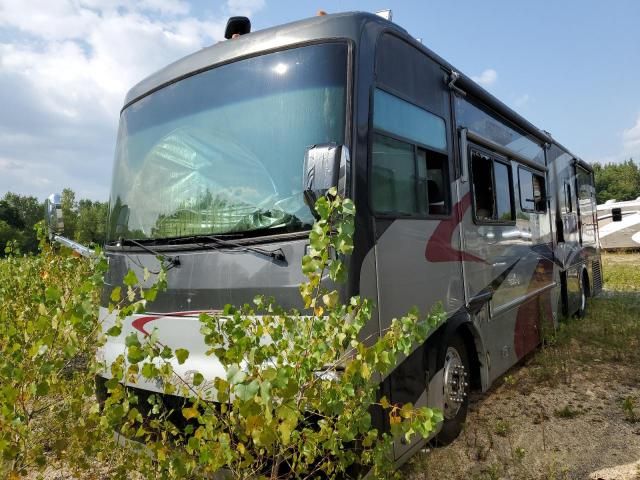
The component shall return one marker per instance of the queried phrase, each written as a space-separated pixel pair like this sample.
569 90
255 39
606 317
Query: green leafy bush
296 401
48 338
300 385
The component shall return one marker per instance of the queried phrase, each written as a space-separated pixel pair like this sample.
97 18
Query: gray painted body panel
207 279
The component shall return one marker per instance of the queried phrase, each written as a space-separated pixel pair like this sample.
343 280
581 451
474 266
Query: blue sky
571 67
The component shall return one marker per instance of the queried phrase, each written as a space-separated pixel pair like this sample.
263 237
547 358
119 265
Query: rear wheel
455 371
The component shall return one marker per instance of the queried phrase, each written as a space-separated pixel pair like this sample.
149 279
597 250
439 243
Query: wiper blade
277 254
172 261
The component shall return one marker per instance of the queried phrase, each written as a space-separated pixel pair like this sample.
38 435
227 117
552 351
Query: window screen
532 191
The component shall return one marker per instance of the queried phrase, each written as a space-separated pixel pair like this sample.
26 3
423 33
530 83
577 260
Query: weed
491 472
629 406
502 428
567 412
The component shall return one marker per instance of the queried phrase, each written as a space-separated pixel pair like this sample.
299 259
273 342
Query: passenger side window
436 183
533 197
491 188
408 163
394 177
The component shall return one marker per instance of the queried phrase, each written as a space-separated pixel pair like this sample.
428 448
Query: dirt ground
523 430
570 411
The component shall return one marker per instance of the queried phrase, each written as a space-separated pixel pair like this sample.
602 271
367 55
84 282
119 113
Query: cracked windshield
222 151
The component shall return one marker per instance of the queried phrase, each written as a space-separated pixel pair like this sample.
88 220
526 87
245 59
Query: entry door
569 216
586 207
569 241
417 244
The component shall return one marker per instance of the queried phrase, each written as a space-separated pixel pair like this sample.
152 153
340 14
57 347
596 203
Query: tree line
620 181
85 220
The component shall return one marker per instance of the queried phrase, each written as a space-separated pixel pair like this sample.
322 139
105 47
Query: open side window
492 187
533 192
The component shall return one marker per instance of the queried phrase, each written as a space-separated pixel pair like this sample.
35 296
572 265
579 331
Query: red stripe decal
439 248
140 322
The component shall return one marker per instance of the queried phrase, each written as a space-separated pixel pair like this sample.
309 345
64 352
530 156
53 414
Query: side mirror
325 166
53 215
616 214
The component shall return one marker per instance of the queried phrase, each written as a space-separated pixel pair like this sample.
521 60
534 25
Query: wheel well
472 353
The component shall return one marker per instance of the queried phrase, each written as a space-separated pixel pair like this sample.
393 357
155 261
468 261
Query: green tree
7 234
91 222
620 181
30 211
10 215
69 212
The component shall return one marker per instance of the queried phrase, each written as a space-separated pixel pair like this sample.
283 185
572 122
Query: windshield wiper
277 254
172 261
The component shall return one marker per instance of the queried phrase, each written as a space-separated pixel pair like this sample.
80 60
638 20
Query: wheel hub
455 383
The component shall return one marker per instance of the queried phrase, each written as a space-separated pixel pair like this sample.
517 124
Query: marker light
386 14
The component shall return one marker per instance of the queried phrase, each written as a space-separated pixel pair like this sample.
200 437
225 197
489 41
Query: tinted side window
398 117
491 188
503 191
567 198
532 191
393 177
436 165
409 167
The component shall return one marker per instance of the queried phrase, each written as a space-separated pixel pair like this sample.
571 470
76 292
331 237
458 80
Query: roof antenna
237 26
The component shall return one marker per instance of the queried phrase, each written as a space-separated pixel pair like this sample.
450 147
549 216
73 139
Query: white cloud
244 7
487 78
65 67
629 148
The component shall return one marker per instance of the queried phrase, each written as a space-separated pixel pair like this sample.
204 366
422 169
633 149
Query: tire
584 293
455 413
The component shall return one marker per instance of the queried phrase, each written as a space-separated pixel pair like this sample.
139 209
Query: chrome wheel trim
455 383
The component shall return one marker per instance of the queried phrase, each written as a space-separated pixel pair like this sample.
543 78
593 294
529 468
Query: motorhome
619 224
460 200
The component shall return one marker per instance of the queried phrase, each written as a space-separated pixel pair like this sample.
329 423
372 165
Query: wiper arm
172 261
276 254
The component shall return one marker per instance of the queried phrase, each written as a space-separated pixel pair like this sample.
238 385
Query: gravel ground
523 430
559 415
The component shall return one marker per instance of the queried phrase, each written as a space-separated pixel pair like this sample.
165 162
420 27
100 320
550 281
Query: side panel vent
597 277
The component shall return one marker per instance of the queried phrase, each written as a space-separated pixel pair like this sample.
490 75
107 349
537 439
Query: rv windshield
222 151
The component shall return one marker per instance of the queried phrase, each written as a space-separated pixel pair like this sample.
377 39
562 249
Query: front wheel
455 371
